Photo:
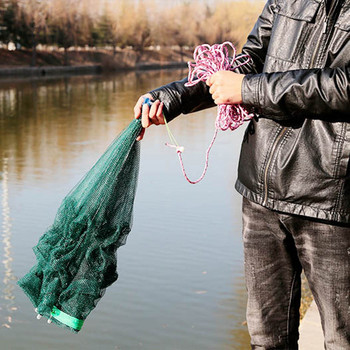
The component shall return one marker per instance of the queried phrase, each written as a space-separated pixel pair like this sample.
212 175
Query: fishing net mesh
76 256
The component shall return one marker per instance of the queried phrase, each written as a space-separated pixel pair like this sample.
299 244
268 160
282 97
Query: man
294 169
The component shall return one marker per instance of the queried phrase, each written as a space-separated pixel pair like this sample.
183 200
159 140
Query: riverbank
72 70
17 63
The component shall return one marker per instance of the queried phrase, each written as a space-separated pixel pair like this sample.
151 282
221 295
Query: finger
145 116
140 137
219 101
153 112
209 81
215 95
160 114
212 79
138 107
213 89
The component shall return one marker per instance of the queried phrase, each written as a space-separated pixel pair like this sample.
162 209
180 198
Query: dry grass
306 296
138 25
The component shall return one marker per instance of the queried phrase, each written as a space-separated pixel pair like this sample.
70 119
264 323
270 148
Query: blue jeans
277 247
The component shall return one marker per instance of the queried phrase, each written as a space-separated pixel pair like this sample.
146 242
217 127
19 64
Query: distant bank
84 69
17 63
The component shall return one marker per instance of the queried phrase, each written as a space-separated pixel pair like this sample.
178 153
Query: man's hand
225 87
153 115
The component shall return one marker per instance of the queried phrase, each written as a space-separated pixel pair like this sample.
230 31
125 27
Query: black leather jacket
295 153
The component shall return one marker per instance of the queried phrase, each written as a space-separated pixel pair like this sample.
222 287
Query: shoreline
42 71
49 63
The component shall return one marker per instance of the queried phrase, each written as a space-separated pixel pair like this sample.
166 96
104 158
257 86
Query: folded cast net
76 257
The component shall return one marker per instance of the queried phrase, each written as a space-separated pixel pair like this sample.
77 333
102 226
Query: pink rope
209 60
179 151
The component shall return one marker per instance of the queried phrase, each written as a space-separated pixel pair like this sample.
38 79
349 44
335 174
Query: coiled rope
207 61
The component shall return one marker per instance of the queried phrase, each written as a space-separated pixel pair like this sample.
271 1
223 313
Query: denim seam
289 309
283 217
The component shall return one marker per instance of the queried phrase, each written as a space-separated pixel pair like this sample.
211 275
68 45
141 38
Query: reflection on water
181 272
41 119
8 306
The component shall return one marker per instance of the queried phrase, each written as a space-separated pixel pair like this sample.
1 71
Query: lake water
181 283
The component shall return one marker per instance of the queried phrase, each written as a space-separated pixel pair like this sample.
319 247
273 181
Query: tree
230 21
7 20
31 22
181 25
64 23
136 27
109 25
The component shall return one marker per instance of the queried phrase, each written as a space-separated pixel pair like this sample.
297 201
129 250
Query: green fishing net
76 257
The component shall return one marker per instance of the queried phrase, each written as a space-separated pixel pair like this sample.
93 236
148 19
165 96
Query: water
181 283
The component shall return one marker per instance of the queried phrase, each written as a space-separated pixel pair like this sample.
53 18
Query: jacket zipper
274 146
324 30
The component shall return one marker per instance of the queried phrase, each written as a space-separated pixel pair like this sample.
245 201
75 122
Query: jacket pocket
339 45
290 29
343 161
343 21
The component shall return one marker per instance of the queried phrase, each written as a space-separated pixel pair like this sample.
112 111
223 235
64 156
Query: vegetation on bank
123 59
120 24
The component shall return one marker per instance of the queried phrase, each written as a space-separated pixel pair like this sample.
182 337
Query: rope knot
180 149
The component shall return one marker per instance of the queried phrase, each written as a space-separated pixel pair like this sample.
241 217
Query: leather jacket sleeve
258 41
314 93
179 99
